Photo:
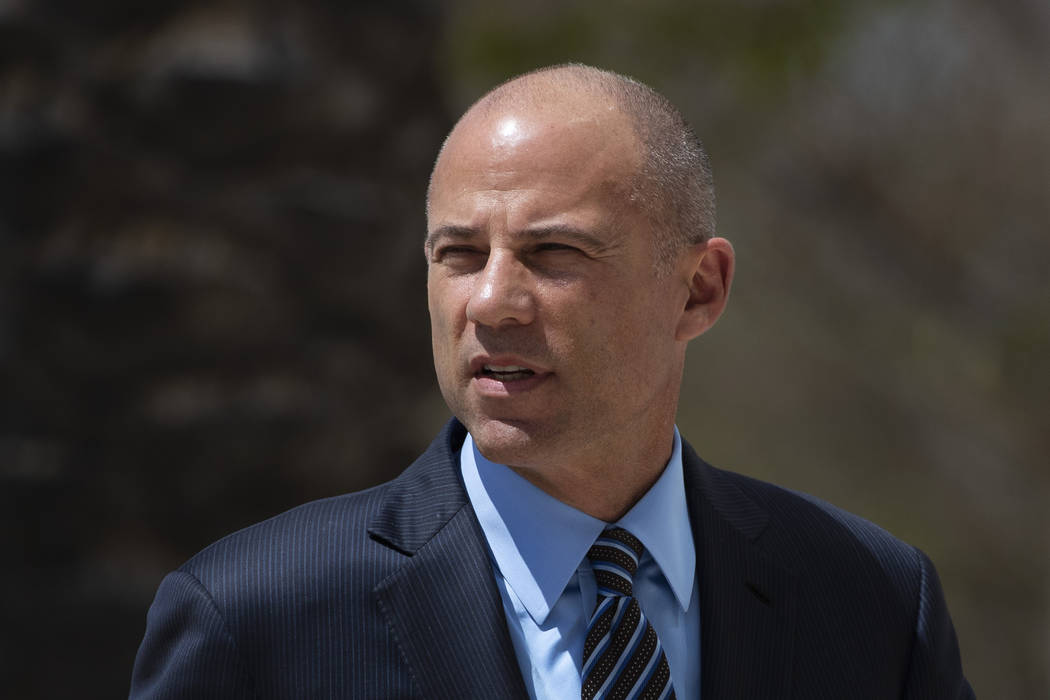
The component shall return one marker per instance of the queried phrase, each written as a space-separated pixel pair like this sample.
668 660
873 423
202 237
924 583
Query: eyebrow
535 233
459 233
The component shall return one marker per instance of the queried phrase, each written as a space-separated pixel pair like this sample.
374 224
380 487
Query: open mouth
508 373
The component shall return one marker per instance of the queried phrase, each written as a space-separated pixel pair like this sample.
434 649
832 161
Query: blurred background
212 287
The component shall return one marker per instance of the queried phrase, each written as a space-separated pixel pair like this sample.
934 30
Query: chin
513 443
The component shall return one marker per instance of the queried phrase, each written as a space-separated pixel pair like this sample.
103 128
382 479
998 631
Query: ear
710 269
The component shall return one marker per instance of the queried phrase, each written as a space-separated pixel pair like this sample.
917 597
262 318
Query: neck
600 487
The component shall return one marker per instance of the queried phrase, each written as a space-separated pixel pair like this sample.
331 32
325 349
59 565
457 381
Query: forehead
570 148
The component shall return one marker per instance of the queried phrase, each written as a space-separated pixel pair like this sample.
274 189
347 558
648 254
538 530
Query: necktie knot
614 557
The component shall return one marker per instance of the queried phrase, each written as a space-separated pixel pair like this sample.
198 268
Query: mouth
498 378
505 373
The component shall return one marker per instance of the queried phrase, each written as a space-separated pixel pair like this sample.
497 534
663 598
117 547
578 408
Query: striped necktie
622 657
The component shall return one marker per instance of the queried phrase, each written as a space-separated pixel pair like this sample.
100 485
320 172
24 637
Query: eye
453 251
459 256
553 247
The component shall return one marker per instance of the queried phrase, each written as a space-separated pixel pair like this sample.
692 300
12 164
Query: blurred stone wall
212 303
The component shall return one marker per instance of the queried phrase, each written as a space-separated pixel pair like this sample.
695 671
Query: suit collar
747 599
425 497
442 604
721 492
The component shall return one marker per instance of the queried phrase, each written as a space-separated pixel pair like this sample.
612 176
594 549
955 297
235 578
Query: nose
501 295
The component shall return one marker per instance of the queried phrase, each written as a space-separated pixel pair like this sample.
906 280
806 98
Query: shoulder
326 542
314 543
316 522
823 545
242 608
877 597
822 523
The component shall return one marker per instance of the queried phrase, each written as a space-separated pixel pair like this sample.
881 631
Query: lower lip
490 386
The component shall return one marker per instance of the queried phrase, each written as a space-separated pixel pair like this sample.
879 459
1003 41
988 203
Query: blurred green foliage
756 45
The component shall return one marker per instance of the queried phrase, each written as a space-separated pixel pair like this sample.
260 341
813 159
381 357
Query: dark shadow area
213 300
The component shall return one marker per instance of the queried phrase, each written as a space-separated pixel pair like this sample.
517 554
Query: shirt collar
538 542
661 521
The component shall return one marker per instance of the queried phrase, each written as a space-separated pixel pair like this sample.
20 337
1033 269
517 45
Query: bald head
671 182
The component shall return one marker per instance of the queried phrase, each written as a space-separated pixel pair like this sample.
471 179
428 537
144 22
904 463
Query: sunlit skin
538 259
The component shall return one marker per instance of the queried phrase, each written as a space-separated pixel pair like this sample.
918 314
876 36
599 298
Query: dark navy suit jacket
389 593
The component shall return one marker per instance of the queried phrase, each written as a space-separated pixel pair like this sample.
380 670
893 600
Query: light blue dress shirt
539 547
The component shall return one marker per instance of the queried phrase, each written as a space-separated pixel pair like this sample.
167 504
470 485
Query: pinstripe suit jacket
390 593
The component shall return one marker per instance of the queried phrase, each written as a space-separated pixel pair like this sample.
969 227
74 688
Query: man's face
553 337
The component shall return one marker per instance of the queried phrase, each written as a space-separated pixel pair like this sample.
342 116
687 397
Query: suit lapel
747 602
442 605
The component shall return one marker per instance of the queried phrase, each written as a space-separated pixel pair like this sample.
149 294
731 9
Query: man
559 537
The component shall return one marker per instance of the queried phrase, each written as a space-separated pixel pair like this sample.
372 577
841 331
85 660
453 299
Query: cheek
439 331
447 308
442 301
443 346
640 341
